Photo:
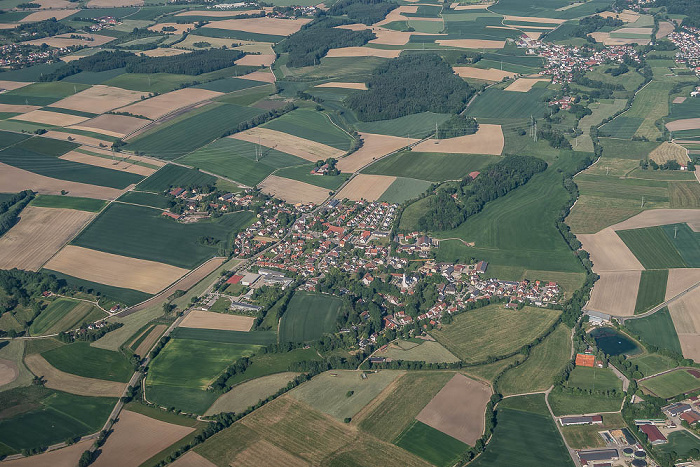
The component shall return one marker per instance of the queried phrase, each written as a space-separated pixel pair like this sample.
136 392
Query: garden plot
471 43
97 161
264 25
38 235
367 187
113 125
306 149
615 293
99 99
50 118
73 384
362 52
256 60
161 105
208 320
458 409
373 147
524 84
293 191
488 74
487 140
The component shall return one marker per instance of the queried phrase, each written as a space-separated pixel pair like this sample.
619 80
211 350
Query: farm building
583 359
690 417
596 318
481 267
595 457
653 434
678 408
587 420
250 279
240 306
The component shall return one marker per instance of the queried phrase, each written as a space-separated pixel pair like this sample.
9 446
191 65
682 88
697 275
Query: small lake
613 343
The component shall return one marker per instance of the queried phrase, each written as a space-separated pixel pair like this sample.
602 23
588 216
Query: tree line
10 209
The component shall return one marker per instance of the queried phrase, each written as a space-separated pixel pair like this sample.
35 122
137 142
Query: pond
613 343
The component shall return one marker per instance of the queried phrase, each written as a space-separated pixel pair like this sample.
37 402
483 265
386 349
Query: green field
652 247
680 442
493 331
497 103
312 125
430 444
271 363
41 94
570 404
126 296
68 202
657 330
539 444
594 379
145 198
308 317
652 289
64 314
423 351
226 337
328 392
303 174
686 241
433 167
671 384
81 359
404 189
412 126
650 364
184 135
543 364
37 416
229 84
142 232
175 176
182 371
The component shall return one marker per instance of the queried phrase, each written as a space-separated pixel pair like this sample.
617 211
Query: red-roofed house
474 174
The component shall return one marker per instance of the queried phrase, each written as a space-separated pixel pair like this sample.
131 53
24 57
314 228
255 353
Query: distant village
688 42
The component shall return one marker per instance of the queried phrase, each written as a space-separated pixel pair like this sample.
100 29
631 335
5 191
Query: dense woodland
594 23
426 78
457 125
690 8
307 46
38 30
363 11
445 212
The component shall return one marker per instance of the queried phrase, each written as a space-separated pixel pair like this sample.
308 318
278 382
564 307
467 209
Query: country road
661 306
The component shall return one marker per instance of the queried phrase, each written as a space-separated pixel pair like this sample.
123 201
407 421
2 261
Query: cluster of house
688 42
416 243
561 61
17 55
564 103
103 22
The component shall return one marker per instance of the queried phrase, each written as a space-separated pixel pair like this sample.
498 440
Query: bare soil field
362 52
209 320
50 118
680 280
113 125
99 99
38 235
46 14
161 105
665 28
293 191
487 140
65 40
627 16
14 180
180 28
679 100
294 145
15 108
81 139
685 124
12 85
368 187
685 313
146 344
249 393
164 52
373 147
55 4
61 381
265 25
654 217
608 252
472 43
107 163
533 19
615 293
137 438
264 76
115 270
65 457
8 371
458 409
113 3
669 152
524 84
489 74
338 84
391 37
256 60
192 459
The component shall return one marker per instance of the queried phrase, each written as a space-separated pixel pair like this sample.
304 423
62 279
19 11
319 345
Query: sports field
594 379
308 317
657 330
144 233
650 364
64 314
81 359
433 167
430 444
652 289
671 384
493 331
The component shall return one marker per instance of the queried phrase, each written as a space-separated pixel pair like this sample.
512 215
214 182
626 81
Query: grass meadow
680 442
308 317
271 363
68 202
311 125
671 384
497 103
594 379
571 404
686 241
657 330
41 94
411 126
175 176
125 296
226 337
81 359
650 364
145 198
404 189
430 444
652 247
303 174
652 289
433 167
587 437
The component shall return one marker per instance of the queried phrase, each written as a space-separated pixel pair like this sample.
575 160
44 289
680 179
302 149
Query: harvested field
163 104
471 43
8 371
265 25
65 40
362 52
62 381
669 152
524 84
367 187
113 3
627 16
180 28
113 125
264 76
458 409
137 438
145 345
47 14
107 163
533 19
684 124
256 60
665 28
249 393
605 38
99 99
50 118
209 320
12 108
615 293
129 273
76 138
192 459
656 217
373 147
294 145
489 74
640 31
38 235
12 85
163 52
679 280
14 180
65 457
685 313
293 191
608 252
338 84
487 140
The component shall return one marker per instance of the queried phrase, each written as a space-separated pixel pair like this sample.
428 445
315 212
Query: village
688 42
